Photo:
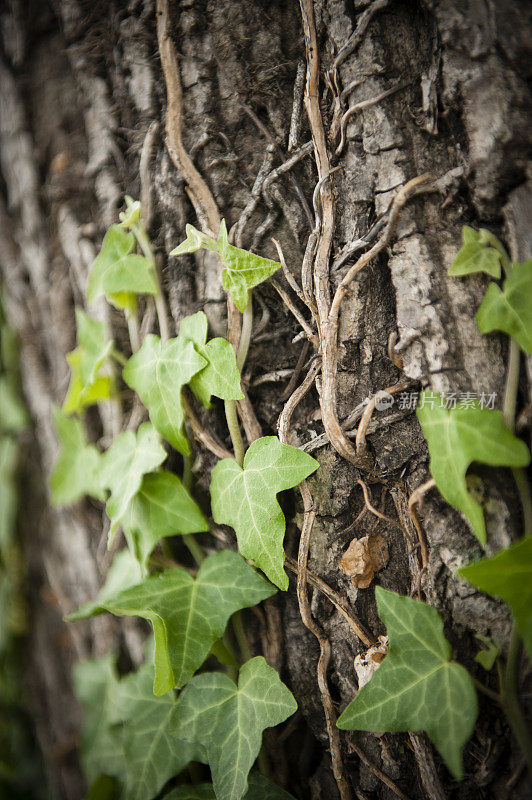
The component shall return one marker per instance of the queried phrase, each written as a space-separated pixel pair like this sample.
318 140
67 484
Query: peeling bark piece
366 663
363 558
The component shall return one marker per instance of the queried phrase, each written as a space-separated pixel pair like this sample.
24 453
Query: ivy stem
160 308
234 430
118 356
187 471
511 385
240 636
133 330
160 304
194 548
230 405
245 335
509 406
523 489
510 700
488 692
510 676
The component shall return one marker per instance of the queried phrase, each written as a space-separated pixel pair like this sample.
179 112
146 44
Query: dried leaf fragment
363 558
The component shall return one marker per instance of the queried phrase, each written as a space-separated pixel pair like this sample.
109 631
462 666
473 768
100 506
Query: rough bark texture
80 86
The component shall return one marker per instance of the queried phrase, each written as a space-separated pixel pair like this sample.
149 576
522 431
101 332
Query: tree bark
83 103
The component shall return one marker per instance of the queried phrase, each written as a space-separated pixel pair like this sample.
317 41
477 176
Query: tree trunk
83 103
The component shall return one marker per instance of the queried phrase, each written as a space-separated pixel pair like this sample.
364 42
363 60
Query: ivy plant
508 575
187 614
162 507
509 309
124 465
227 720
418 687
480 252
127 733
87 384
245 498
189 610
158 373
220 376
459 436
241 271
119 273
259 788
77 470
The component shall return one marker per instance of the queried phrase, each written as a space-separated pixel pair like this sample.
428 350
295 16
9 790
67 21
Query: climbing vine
189 610
419 686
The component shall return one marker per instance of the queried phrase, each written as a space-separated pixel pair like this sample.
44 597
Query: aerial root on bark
340 604
325 646
360 440
329 326
371 508
201 434
352 110
283 424
413 502
376 771
198 191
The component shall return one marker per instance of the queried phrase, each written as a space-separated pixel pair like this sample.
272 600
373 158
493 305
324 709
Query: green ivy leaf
196 240
162 507
77 469
510 310
458 436
477 254
220 377
14 417
124 465
228 720
489 653
81 394
104 788
96 684
152 753
508 575
259 788
242 270
125 571
86 385
417 686
124 301
158 372
188 615
131 216
126 732
245 498
117 270
93 345
8 489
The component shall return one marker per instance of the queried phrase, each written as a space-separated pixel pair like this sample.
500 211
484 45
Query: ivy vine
419 686
218 718
189 613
